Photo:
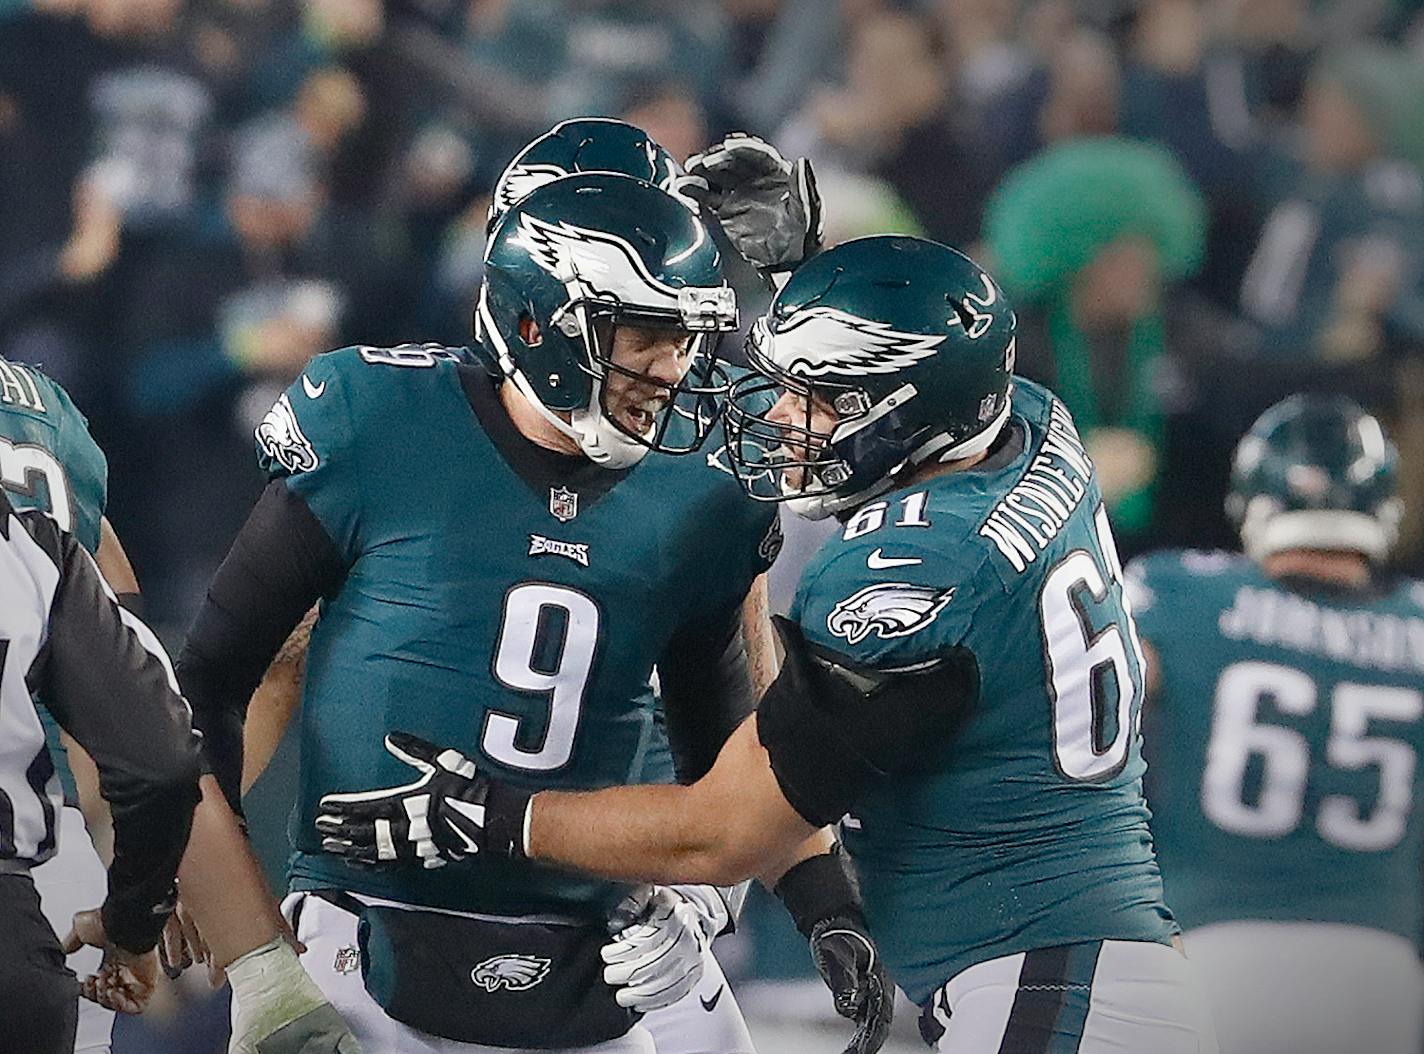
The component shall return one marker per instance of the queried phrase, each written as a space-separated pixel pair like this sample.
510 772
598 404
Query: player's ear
529 332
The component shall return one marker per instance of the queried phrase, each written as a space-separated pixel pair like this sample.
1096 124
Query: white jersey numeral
1237 733
21 463
529 610
1090 675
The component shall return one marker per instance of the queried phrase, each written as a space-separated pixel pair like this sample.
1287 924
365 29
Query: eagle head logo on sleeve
887 609
281 437
515 973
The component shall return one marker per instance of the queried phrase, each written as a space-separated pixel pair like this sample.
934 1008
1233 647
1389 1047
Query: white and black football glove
656 955
449 813
768 206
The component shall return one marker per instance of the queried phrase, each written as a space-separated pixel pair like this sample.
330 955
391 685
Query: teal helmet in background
910 343
583 144
1315 472
578 258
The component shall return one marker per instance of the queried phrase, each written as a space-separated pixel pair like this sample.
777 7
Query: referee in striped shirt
107 681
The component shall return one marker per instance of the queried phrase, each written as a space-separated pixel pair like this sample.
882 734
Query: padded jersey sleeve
889 618
310 439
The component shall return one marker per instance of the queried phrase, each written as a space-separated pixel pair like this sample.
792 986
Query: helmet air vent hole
966 318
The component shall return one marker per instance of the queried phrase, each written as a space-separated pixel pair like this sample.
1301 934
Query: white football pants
1310 988
74 880
706 1021
1127 997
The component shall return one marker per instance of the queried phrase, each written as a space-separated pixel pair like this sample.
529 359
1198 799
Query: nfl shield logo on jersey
347 960
563 504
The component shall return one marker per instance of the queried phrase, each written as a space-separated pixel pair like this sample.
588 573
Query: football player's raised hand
436 819
849 963
768 206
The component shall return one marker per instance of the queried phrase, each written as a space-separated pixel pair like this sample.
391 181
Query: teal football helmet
579 258
1315 472
907 343
584 144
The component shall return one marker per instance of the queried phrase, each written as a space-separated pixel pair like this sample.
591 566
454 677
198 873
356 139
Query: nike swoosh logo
313 390
711 1004
878 562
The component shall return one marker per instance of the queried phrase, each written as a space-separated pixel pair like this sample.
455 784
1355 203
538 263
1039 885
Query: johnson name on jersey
1295 717
499 597
1032 831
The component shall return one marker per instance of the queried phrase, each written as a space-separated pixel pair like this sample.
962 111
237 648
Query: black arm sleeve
281 562
706 691
106 679
832 729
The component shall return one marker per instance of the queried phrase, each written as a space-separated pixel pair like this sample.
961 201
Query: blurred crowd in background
1197 206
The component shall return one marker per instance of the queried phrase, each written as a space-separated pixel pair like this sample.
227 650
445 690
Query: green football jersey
49 461
1031 831
1287 726
518 620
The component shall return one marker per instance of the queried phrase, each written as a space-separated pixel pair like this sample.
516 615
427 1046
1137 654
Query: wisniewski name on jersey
1030 515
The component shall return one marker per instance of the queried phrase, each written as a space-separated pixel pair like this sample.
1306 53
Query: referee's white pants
1108 997
74 880
1311 988
706 1021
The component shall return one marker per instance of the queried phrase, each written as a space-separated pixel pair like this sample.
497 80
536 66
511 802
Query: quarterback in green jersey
504 563
1286 713
962 681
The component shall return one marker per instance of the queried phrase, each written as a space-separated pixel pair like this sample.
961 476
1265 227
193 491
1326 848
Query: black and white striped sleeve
110 685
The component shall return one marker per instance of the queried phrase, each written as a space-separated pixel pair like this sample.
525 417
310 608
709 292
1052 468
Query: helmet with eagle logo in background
909 342
583 144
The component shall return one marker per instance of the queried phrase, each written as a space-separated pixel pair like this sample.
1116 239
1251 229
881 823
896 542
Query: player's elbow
730 852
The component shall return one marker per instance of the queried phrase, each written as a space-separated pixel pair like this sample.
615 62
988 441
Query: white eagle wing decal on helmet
520 180
821 340
887 609
593 264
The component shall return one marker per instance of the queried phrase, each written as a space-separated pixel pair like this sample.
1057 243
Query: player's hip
522 988
1084 998
1311 987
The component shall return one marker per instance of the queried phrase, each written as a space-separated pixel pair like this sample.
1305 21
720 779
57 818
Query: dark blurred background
1196 205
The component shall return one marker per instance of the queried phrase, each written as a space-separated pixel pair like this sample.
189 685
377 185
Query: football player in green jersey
502 566
1286 708
962 682
50 462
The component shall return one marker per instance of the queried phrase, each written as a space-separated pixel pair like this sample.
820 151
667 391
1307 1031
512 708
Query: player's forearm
274 702
823 841
644 833
222 885
731 825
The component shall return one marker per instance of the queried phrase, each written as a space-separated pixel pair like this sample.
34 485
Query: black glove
824 901
768 206
849 963
449 813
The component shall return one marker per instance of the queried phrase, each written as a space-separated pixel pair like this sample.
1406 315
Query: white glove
656 959
278 1009
717 907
